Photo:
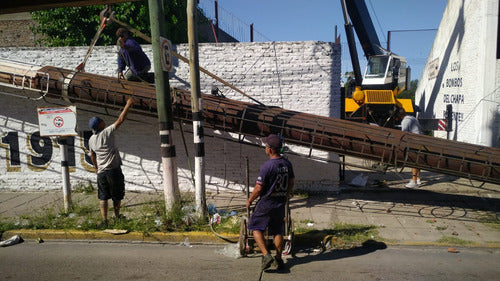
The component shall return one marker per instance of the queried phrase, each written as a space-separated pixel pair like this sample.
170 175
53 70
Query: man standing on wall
410 124
274 186
107 162
131 55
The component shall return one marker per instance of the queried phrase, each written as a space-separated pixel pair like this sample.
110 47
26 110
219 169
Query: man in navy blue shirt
274 186
131 55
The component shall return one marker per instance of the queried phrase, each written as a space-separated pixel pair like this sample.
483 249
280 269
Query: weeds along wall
301 76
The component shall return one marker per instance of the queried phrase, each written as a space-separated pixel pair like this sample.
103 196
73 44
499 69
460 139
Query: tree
76 26
409 93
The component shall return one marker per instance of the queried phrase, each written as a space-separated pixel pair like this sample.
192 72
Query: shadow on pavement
367 247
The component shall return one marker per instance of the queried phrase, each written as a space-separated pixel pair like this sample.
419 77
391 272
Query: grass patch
85 215
454 241
343 235
490 220
302 194
86 188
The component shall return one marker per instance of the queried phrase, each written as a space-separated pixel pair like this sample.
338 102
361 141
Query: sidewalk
441 207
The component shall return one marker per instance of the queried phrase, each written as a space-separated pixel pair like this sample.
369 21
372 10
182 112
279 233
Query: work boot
278 262
103 224
267 260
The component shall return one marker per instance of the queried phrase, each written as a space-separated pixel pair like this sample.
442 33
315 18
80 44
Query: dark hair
122 31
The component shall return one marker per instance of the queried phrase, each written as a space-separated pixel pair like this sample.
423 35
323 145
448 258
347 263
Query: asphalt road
80 260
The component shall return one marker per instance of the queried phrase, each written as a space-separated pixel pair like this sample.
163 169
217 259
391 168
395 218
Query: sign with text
166 54
57 121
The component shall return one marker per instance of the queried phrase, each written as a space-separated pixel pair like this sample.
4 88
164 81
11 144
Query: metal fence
230 23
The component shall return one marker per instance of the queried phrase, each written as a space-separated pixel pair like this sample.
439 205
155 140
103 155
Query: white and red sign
442 125
57 121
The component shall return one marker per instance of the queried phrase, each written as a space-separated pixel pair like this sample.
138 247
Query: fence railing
231 24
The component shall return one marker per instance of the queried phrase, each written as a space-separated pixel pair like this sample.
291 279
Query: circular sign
58 121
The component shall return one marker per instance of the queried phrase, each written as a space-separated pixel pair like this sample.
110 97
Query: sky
315 20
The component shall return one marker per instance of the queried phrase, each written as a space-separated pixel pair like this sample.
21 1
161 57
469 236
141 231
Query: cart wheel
292 244
289 248
243 237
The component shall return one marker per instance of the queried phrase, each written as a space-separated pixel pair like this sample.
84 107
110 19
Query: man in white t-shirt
411 124
107 162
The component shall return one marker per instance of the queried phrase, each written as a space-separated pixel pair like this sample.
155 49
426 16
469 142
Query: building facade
301 76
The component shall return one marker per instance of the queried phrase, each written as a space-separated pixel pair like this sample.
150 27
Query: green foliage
85 215
409 93
76 26
342 235
449 240
84 188
490 220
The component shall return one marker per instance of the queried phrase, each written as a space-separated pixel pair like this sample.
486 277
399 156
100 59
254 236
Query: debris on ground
215 219
186 243
116 231
359 180
452 250
16 239
230 250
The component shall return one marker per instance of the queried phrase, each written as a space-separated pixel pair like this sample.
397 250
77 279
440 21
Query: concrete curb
195 237
198 237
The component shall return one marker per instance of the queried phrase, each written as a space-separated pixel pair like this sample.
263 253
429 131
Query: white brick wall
302 76
467 74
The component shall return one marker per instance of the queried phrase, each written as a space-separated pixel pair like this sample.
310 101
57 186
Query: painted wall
463 70
302 76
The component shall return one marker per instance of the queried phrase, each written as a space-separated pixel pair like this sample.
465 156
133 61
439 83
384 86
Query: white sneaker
411 184
418 182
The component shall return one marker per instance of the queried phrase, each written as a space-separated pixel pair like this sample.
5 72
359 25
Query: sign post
60 122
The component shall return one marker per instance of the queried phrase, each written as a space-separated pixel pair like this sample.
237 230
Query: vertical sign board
61 122
166 54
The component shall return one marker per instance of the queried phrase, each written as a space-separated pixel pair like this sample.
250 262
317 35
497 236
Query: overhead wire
379 25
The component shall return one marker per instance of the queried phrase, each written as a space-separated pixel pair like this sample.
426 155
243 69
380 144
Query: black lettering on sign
457 116
11 144
454 98
458 99
453 82
455 66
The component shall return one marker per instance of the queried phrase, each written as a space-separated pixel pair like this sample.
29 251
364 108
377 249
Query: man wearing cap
107 162
274 186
